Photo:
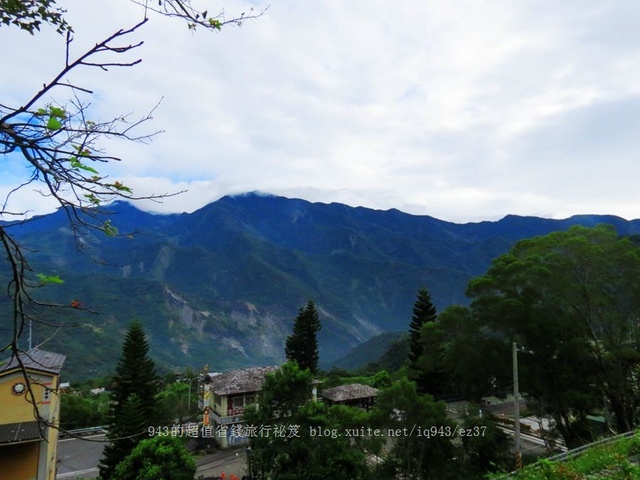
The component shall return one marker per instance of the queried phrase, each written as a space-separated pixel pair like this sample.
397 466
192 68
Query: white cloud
461 110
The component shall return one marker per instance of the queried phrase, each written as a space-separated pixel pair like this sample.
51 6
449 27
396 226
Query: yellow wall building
29 415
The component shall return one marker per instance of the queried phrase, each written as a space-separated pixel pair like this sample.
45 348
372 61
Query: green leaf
109 229
92 198
46 279
54 124
77 164
58 112
120 186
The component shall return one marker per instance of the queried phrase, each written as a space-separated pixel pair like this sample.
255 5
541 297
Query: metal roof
240 381
353 391
38 360
21 432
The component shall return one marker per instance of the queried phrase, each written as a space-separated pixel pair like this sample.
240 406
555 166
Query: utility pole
516 405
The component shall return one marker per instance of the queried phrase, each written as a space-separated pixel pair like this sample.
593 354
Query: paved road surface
228 461
79 459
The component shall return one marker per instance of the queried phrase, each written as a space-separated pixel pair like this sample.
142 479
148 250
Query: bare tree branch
59 142
195 17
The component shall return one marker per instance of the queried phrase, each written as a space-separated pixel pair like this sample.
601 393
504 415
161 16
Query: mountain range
221 286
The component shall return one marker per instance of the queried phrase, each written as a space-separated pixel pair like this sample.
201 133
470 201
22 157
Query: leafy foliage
304 454
285 390
571 300
473 357
488 451
616 461
157 458
173 402
30 14
401 408
79 411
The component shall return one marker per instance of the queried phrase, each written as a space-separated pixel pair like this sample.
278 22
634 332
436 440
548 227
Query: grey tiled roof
20 432
39 360
352 391
240 381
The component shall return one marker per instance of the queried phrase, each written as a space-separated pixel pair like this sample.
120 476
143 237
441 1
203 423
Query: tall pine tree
425 347
302 344
133 399
423 312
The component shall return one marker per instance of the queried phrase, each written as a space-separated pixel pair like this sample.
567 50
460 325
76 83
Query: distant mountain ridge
223 284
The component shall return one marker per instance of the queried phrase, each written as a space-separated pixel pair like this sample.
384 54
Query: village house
353 394
226 396
28 444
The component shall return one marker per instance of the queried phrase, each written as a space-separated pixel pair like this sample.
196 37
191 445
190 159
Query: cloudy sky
464 110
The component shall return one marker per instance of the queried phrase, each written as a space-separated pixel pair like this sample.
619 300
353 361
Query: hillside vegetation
222 285
615 461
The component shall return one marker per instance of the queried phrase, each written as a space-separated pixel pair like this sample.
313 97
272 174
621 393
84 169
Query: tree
422 454
473 355
425 347
59 142
486 448
571 300
285 390
423 312
29 15
302 344
300 441
81 411
125 432
157 458
173 402
133 399
54 134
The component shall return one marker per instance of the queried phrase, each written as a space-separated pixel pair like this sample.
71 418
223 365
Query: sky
464 110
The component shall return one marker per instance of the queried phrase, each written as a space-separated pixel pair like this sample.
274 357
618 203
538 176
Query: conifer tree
425 348
125 432
133 399
423 312
302 344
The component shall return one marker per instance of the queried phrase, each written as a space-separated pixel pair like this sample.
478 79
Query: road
227 461
78 458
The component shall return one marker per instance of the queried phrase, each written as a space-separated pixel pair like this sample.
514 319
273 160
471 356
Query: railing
235 411
576 452
83 432
561 457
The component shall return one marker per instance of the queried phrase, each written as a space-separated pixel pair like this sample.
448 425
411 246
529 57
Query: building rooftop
21 432
240 381
353 391
38 360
